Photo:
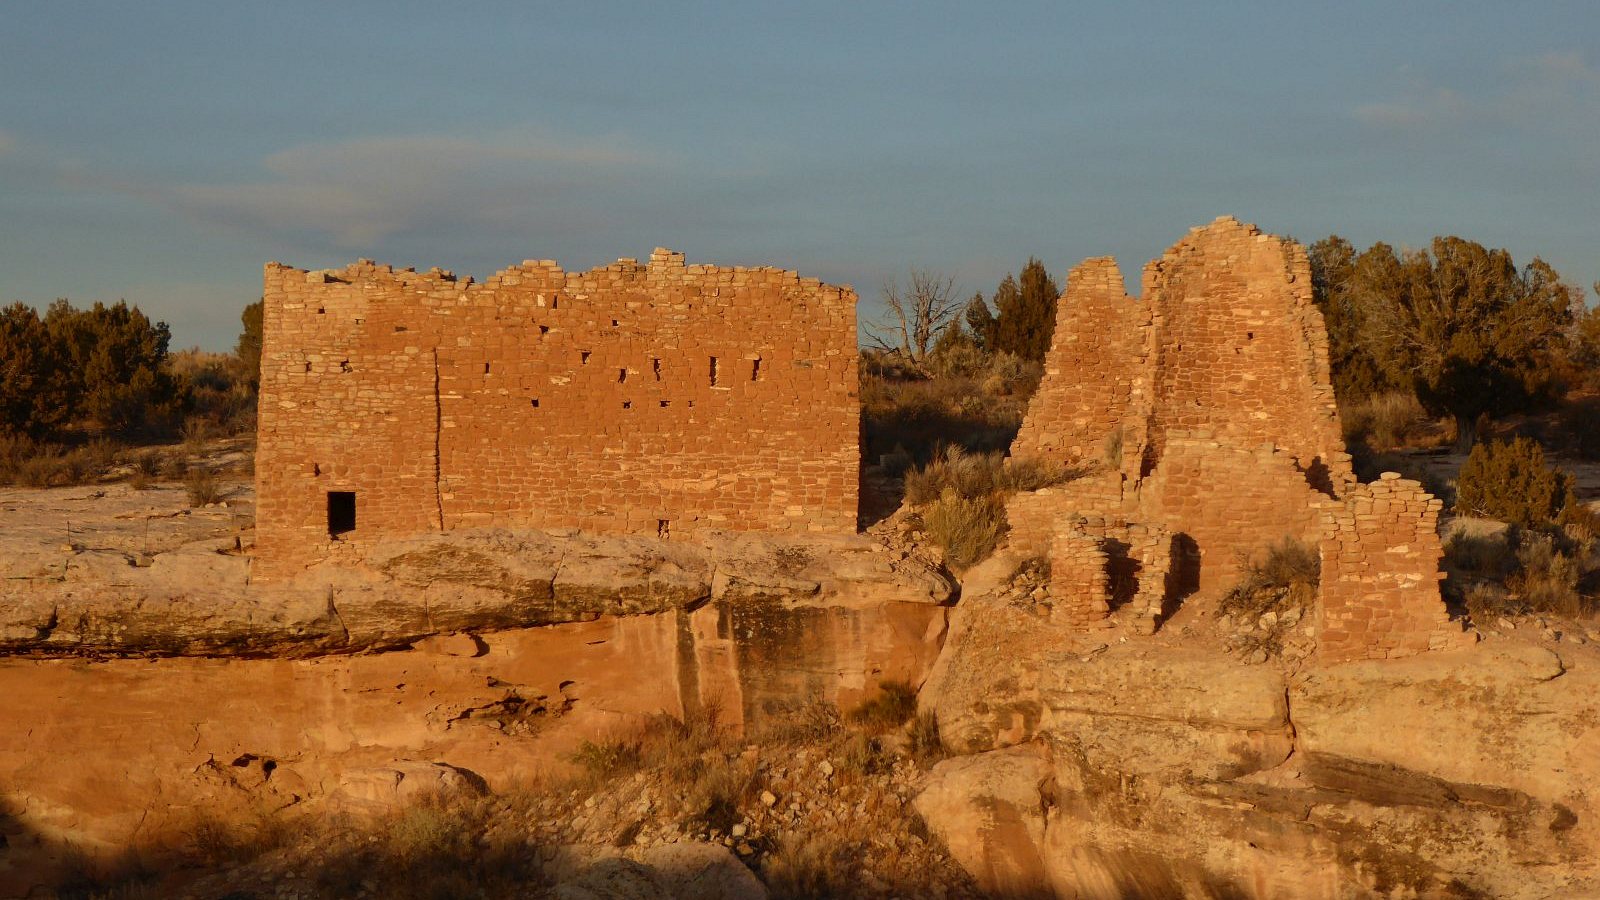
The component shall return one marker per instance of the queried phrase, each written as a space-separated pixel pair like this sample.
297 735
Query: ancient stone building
1208 405
659 399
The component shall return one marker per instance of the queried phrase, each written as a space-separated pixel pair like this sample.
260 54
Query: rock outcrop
1114 769
199 600
151 690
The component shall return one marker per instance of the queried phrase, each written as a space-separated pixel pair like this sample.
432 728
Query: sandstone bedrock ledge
145 696
1127 771
199 601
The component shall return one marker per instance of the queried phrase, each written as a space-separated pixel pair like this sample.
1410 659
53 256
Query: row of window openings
622 373
554 304
626 404
543 329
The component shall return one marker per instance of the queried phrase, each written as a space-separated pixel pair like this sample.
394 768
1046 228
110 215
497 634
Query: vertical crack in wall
438 432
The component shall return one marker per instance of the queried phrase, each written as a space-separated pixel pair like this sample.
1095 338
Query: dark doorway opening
341 512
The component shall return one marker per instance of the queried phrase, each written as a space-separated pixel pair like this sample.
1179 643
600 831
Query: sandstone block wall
1228 501
1080 583
1209 404
656 398
1095 373
1239 349
1380 573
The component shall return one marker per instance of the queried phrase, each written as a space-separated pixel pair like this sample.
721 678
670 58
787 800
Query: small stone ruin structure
659 399
1207 407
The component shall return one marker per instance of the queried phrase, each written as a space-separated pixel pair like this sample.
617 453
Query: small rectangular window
341 512
755 369
622 375
655 366
535 402
714 371
583 357
485 368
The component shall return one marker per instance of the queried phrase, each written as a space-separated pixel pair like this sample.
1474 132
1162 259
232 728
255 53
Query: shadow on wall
1183 578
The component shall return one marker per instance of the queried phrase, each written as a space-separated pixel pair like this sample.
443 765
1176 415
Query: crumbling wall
1080 579
1208 404
1239 349
658 399
1096 378
1228 502
1380 554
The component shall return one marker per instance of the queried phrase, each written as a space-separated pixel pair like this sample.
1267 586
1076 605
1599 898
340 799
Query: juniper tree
1025 312
1463 325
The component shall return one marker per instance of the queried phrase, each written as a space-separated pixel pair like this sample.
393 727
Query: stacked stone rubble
658 398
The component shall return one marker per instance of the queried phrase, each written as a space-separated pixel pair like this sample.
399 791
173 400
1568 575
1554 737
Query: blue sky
163 151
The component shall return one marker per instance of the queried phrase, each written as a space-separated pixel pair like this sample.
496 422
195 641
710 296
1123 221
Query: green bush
1511 482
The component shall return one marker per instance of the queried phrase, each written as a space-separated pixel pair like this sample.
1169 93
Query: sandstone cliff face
1113 765
147 697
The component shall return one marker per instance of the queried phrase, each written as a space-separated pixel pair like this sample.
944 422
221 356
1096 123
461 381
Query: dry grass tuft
967 530
203 487
1276 588
1385 422
893 706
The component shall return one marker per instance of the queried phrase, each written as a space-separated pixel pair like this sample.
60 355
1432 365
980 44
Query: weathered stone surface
1007 677
1511 714
649 399
114 753
396 784
188 603
1208 407
1449 774
989 810
686 871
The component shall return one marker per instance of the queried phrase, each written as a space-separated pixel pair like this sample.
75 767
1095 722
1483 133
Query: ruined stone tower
1207 407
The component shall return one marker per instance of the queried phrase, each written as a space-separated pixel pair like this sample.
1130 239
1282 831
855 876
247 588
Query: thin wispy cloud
362 191
1529 90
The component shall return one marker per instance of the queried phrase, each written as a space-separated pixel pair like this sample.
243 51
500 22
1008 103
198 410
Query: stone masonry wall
1228 501
1096 377
1080 579
1209 403
1240 350
1380 574
658 399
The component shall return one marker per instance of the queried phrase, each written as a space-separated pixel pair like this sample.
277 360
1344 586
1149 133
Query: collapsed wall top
1208 405
657 398
1224 340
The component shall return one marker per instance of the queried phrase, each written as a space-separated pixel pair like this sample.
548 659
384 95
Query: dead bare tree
915 317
